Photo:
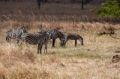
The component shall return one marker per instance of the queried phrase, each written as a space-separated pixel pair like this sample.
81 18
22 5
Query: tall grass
26 64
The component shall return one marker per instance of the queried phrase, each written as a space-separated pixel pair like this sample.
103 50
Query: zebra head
62 38
62 42
22 30
47 35
10 30
9 35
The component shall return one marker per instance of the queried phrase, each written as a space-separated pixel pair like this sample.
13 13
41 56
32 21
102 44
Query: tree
110 8
82 7
84 2
39 2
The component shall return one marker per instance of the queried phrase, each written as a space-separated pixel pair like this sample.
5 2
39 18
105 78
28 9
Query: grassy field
91 61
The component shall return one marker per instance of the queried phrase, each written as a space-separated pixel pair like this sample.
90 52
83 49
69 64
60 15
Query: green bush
110 8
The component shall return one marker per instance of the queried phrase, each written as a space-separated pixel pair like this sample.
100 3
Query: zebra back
15 34
31 38
35 38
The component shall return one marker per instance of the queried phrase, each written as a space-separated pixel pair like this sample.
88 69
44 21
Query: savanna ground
91 61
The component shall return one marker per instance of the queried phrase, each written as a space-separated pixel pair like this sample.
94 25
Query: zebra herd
41 38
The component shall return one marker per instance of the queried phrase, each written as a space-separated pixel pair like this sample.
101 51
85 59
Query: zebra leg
45 50
22 42
8 39
75 43
81 40
17 41
39 49
53 43
65 41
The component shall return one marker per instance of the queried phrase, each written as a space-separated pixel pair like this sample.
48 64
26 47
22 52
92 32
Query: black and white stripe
39 39
15 34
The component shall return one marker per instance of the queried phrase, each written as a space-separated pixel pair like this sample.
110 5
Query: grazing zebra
15 34
75 37
39 39
54 35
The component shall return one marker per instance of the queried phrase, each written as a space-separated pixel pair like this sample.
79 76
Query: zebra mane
80 36
10 30
60 34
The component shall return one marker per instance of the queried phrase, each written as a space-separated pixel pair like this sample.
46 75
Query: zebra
75 37
15 34
39 39
54 35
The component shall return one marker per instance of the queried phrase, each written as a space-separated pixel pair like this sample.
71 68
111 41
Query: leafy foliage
110 8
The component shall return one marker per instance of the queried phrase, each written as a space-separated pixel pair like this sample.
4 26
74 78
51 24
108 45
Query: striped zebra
75 37
39 39
15 34
54 35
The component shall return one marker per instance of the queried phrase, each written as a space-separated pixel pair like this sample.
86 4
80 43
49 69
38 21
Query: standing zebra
54 35
15 34
75 37
39 39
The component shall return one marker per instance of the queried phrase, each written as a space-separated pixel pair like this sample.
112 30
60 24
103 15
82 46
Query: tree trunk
82 7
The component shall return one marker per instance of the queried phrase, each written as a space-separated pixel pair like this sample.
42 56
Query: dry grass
65 64
91 61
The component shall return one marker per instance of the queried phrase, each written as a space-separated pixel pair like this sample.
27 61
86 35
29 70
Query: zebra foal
15 34
75 37
39 39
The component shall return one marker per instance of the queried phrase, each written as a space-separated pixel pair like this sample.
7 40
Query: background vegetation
110 8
